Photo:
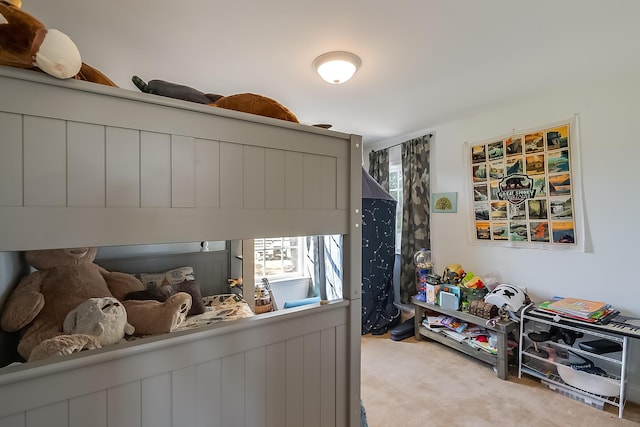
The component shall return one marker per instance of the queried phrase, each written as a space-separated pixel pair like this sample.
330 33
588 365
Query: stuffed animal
162 293
66 278
95 323
25 42
104 318
174 90
62 345
245 102
256 104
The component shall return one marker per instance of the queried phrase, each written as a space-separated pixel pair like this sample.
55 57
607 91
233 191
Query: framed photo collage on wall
524 188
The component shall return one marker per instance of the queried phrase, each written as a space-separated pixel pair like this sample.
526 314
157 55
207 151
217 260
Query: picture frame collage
523 188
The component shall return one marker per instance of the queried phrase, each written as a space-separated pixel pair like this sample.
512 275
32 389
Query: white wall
610 150
610 154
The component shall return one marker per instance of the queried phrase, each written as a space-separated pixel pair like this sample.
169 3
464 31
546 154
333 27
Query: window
300 267
395 190
278 257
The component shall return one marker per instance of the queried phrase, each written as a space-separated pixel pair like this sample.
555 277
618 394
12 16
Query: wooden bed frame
88 165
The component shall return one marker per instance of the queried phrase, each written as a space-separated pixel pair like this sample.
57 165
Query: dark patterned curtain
415 211
379 167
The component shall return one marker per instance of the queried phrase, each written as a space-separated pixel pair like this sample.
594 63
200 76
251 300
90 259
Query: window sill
290 289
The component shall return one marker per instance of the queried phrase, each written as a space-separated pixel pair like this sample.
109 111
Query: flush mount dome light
336 67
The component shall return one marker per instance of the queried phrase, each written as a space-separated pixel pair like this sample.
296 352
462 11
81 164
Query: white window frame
395 166
281 276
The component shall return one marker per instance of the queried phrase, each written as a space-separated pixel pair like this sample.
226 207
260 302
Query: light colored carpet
424 383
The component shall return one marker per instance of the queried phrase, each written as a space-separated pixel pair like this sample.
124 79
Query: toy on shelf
453 274
264 299
424 266
472 288
471 281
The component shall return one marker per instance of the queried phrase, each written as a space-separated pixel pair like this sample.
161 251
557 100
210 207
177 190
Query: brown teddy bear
26 42
66 278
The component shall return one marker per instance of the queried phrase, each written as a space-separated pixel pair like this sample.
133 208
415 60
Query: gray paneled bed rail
88 165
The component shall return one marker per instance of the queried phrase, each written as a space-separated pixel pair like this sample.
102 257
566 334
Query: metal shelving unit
532 362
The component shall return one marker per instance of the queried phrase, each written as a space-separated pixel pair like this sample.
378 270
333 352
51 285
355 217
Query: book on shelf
433 322
483 345
602 316
474 331
578 307
600 319
454 324
453 334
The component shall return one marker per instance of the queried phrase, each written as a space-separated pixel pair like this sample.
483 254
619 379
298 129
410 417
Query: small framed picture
444 202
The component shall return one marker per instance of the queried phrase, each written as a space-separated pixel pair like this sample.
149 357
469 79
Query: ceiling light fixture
336 67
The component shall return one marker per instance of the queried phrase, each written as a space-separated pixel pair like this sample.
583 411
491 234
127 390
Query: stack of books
459 331
483 345
579 309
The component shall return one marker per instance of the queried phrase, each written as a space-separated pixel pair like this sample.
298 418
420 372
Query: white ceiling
423 61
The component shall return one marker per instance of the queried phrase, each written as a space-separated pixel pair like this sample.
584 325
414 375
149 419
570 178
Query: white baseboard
633 393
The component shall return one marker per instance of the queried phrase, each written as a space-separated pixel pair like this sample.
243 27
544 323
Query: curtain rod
400 143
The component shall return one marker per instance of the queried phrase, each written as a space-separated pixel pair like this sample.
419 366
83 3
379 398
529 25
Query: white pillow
169 277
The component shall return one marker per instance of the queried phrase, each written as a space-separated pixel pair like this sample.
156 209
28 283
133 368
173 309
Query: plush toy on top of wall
25 42
66 278
244 102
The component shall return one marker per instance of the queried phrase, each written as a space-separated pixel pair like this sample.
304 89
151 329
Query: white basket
596 384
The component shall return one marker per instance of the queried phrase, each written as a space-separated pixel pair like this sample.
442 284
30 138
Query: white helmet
506 296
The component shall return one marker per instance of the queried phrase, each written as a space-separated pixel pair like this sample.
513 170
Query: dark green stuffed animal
174 90
245 102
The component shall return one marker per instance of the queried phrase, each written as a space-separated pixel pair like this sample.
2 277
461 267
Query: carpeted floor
423 383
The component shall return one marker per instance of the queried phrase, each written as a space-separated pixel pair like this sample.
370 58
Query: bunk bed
83 164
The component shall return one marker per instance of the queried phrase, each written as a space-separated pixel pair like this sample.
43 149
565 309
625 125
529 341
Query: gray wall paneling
157 170
85 165
11 161
45 163
241 381
156 156
183 172
122 167
210 269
